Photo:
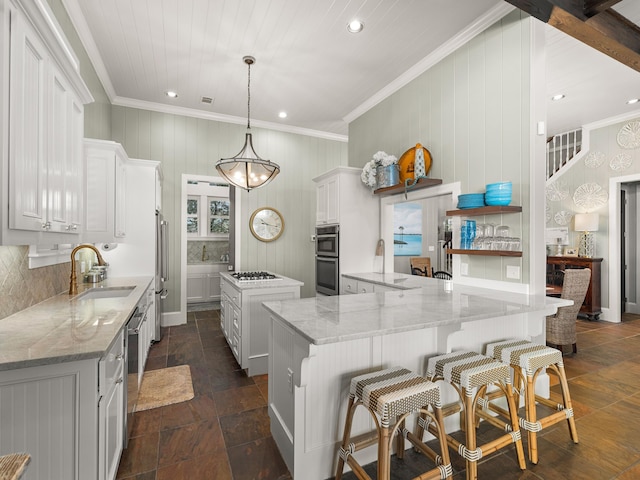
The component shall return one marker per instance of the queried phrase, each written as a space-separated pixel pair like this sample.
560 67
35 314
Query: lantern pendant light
246 169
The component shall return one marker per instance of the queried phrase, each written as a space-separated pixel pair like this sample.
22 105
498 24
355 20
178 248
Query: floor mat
165 387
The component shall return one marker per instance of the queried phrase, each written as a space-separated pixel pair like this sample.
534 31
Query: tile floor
223 433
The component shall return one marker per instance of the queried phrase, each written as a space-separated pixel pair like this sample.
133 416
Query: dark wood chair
420 266
442 275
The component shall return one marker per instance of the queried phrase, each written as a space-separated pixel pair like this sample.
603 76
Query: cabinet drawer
111 365
365 287
349 285
233 295
237 324
236 348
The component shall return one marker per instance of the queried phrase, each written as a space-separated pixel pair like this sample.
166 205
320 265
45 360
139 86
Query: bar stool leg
400 441
470 434
346 436
567 402
384 460
530 415
513 414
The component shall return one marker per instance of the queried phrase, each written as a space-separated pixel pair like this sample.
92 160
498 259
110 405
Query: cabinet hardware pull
119 380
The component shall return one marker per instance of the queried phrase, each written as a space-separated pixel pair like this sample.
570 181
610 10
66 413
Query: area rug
164 387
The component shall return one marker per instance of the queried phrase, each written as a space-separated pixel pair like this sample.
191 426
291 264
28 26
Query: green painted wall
470 111
187 145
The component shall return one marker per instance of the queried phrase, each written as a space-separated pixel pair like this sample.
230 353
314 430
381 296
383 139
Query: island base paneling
309 384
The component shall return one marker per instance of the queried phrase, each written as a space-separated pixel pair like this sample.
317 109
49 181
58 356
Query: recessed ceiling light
559 96
633 100
355 26
282 114
171 94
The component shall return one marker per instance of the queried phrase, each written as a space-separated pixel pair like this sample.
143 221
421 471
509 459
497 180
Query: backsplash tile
20 287
212 253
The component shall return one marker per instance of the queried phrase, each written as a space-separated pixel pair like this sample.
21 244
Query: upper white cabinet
343 199
42 103
105 191
327 199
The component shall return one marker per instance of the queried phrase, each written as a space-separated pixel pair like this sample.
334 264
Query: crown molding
219 117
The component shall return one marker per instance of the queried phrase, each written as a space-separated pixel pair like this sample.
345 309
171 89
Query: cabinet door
328 201
321 204
213 286
27 161
111 416
64 165
196 291
74 170
99 195
333 200
121 200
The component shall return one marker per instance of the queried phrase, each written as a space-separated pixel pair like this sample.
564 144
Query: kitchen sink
105 292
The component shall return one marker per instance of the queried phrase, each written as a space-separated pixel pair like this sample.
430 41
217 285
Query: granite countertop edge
67 328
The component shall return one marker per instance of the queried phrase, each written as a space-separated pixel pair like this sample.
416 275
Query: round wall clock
266 224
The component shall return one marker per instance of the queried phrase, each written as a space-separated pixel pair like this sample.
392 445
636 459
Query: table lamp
587 223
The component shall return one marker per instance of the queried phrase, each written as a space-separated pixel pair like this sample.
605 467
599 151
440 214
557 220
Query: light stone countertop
66 328
281 282
324 320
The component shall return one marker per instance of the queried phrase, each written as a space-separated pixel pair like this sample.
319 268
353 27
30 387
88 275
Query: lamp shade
247 170
587 222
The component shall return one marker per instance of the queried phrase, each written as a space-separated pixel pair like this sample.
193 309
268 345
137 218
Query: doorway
620 292
210 209
629 286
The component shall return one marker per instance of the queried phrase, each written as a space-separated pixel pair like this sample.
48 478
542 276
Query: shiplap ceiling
308 64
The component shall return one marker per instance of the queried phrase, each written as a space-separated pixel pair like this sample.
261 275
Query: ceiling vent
207 100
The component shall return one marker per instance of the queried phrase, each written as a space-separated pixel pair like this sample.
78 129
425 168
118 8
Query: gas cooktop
254 276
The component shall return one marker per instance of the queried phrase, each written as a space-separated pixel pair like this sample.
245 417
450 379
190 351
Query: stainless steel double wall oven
328 260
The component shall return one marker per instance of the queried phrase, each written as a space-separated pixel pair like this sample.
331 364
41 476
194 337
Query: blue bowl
500 186
495 201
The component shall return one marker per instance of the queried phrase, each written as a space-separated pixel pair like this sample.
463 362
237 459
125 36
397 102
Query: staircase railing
561 149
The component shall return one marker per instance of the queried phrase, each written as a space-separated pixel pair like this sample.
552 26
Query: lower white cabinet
203 286
111 410
351 285
68 416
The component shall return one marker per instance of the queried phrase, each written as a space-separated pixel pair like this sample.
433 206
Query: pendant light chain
249 97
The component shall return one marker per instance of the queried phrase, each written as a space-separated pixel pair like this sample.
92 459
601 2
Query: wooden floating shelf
395 189
489 210
486 253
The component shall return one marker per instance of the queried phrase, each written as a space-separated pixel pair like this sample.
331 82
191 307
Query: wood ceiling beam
592 22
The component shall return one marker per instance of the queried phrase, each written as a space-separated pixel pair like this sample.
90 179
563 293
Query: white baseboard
171 319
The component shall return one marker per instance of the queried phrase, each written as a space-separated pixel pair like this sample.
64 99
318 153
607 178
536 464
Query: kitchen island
244 322
318 344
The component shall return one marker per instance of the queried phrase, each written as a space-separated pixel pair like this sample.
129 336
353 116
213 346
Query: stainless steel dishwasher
133 365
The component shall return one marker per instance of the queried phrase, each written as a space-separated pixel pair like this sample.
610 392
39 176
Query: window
210 221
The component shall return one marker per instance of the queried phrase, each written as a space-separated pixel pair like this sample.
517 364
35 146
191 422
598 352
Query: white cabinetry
69 416
203 282
245 322
41 128
328 200
111 410
343 199
105 191
351 285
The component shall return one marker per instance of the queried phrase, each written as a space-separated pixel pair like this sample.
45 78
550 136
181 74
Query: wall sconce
587 223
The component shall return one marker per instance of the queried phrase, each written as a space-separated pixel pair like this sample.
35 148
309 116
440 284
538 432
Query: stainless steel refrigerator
162 270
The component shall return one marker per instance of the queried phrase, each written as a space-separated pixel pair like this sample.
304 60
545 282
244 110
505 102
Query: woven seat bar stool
471 373
527 360
390 396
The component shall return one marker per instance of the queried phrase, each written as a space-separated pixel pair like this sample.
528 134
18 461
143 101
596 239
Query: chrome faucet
73 282
204 253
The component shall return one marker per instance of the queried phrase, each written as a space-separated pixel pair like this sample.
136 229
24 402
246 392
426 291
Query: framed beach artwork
407 229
